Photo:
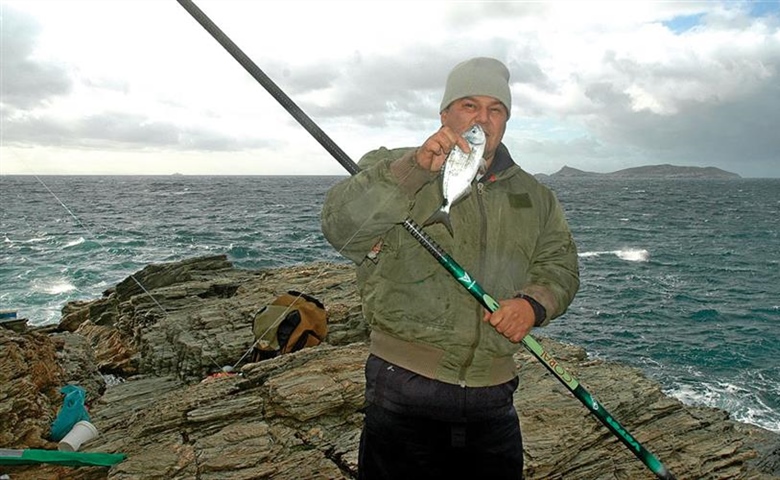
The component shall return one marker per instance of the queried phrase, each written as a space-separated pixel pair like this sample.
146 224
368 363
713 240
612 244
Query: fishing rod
458 272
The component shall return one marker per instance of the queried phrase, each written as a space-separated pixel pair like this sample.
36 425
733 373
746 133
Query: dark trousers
396 447
420 428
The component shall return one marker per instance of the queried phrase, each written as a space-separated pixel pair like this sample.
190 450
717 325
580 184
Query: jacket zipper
480 187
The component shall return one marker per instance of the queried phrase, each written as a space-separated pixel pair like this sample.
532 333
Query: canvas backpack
291 322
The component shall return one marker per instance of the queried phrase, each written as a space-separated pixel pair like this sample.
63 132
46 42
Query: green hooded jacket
510 234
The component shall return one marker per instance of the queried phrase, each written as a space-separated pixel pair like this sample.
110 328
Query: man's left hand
514 318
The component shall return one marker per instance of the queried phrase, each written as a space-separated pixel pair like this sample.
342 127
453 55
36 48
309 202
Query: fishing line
93 238
248 351
132 276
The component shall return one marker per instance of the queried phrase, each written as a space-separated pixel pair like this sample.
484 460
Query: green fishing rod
458 272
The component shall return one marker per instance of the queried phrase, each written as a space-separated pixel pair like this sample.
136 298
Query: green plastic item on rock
56 457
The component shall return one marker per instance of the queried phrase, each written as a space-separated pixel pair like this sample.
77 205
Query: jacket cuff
540 313
542 297
411 178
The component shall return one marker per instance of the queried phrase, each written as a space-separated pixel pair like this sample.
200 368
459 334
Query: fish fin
440 216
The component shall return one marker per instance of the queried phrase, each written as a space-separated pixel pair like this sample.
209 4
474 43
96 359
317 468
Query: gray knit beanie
478 76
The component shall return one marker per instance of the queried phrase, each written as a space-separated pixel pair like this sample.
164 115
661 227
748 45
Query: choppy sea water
680 278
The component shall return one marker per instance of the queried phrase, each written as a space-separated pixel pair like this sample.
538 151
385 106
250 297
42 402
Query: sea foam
742 404
629 254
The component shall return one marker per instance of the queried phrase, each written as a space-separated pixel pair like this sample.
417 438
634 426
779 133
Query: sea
680 277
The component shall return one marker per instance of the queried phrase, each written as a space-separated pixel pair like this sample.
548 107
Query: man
441 376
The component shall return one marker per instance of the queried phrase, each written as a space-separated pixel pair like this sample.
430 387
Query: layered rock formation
177 415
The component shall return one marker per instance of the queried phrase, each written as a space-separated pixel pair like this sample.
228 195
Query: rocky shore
152 358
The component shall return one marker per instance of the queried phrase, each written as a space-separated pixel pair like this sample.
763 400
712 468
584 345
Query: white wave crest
75 242
629 254
632 255
60 287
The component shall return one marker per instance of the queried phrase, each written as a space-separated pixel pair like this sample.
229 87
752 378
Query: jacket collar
501 161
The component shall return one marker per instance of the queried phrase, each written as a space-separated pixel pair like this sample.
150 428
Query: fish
459 171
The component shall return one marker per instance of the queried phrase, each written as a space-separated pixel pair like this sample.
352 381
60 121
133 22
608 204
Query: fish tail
440 216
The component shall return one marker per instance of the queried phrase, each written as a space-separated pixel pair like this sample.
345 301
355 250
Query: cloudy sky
139 87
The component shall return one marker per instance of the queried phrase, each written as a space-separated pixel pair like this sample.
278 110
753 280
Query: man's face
488 112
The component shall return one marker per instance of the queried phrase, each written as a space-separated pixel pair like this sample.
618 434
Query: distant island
648 171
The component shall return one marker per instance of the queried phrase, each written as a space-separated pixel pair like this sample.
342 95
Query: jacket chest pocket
511 242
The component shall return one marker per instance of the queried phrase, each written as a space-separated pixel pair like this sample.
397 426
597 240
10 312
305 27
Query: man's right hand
432 154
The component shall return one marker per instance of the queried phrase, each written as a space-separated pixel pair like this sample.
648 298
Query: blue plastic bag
71 412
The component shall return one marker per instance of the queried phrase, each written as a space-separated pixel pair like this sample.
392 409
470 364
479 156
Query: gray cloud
464 13
718 108
375 90
117 130
27 83
723 130
300 80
